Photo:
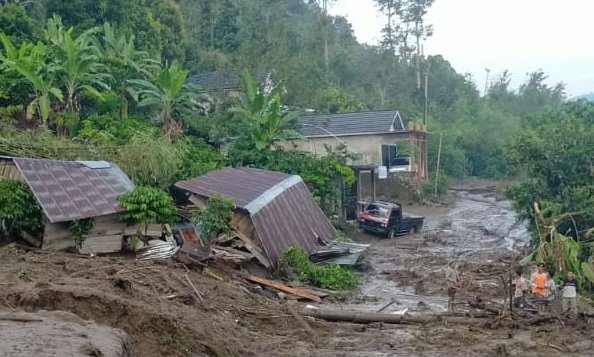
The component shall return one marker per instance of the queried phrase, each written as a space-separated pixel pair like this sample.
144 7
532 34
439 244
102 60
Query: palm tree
264 113
30 62
124 62
168 93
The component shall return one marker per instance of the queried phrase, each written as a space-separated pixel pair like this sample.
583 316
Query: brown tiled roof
281 207
70 190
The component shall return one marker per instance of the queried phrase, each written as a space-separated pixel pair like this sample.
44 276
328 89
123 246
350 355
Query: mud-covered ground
155 304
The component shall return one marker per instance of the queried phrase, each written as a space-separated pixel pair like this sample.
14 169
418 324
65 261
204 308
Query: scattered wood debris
282 287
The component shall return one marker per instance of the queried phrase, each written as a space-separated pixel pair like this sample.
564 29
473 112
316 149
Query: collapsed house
274 210
71 190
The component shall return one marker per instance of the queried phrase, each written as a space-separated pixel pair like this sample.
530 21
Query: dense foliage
146 51
147 205
554 150
216 217
18 208
331 276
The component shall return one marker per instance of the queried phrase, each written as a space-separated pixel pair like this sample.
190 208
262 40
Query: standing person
569 286
538 282
520 288
549 290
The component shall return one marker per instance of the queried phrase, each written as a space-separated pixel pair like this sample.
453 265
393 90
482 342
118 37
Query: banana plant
560 249
29 61
119 54
264 113
77 61
168 93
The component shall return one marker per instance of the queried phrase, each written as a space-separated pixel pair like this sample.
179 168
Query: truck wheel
391 234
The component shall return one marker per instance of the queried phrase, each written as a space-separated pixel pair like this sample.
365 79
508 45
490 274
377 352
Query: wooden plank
154 230
284 288
102 244
256 251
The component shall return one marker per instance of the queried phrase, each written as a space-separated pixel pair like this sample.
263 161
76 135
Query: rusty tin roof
70 190
281 207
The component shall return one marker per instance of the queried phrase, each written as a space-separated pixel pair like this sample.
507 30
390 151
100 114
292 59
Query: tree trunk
418 59
123 106
325 24
369 317
166 124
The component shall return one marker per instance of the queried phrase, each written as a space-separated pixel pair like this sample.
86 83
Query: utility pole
425 144
426 94
326 55
438 159
486 81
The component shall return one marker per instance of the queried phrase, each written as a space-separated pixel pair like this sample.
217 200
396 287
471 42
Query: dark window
400 161
388 155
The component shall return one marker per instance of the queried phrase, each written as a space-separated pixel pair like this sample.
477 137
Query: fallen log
483 306
370 317
301 321
283 287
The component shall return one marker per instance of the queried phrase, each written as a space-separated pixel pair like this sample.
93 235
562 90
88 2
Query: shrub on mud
332 276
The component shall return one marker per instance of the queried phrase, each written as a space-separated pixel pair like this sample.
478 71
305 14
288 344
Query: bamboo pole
438 159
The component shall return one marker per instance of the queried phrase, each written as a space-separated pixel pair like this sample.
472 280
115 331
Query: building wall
368 146
8 170
400 187
56 236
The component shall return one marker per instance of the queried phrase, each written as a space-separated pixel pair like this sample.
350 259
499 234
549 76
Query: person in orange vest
538 283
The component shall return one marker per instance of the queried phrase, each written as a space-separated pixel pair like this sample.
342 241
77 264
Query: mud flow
475 235
60 304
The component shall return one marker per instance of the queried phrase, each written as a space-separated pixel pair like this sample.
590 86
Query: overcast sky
518 35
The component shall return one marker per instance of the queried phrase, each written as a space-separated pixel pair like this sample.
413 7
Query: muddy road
477 234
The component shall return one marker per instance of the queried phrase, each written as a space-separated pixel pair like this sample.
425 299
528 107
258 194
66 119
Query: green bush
443 184
331 276
147 205
18 208
216 217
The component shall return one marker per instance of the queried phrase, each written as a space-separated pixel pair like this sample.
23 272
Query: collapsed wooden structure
274 211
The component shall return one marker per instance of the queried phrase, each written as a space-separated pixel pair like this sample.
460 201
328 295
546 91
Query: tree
169 94
76 60
267 121
29 61
147 205
124 62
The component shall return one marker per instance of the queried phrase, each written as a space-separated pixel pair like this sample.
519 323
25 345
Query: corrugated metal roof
281 207
70 190
242 185
293 218
349 123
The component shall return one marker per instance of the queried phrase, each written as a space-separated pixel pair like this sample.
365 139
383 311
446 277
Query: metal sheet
70 190
293 218
283 217
242 185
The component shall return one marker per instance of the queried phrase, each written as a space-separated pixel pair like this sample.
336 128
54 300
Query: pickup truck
388 219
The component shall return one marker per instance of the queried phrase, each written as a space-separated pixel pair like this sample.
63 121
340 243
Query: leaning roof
281 207
70 190
349 123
